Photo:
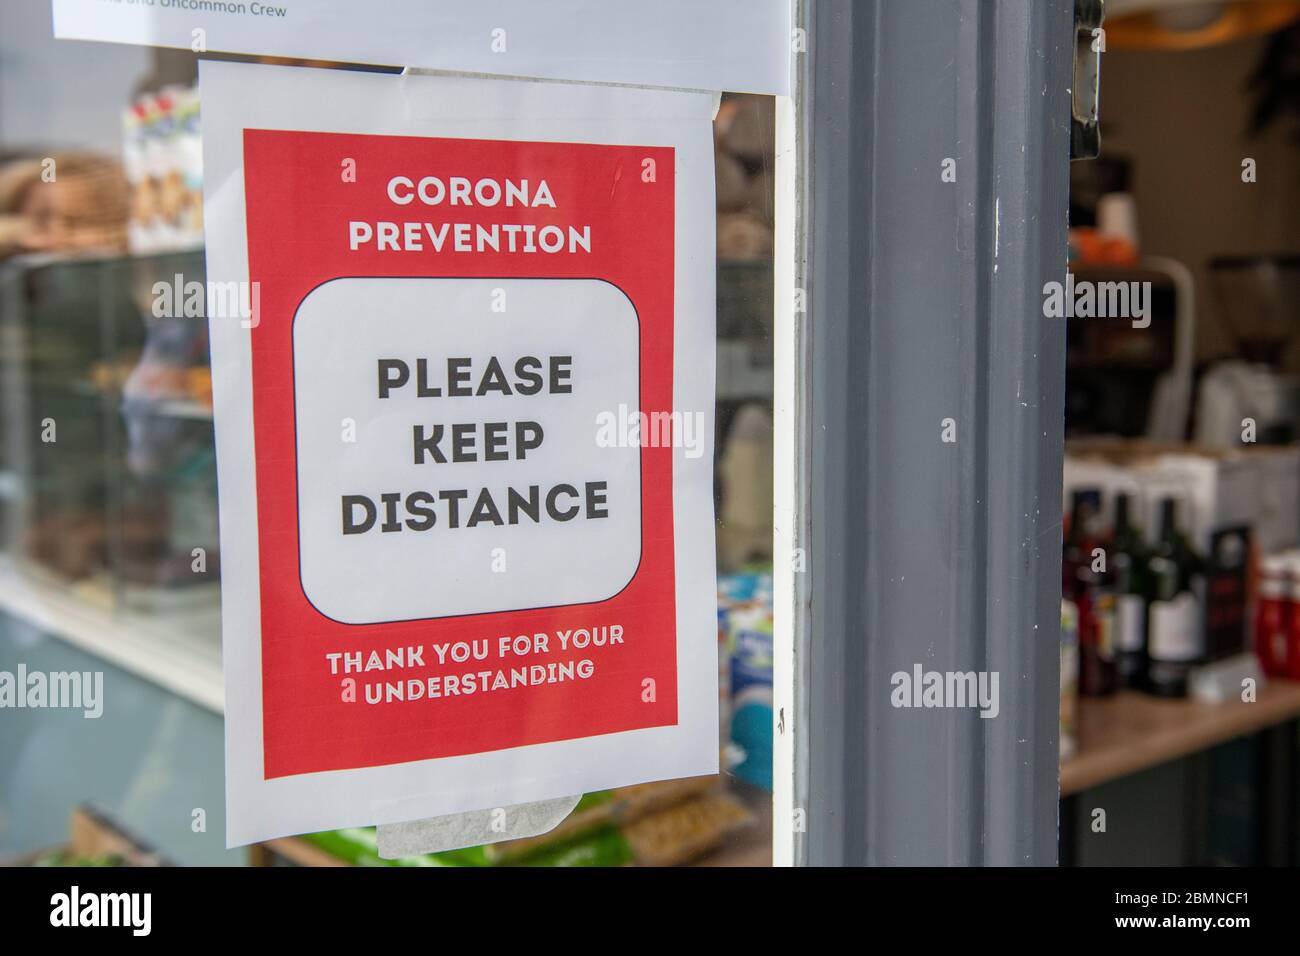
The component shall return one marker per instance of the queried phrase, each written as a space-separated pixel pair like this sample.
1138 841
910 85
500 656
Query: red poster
301 207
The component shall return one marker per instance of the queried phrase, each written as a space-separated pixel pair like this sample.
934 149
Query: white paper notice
739 45
465 440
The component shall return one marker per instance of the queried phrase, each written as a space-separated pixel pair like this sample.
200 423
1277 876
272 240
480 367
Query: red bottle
1274 616
1098 675
1289 666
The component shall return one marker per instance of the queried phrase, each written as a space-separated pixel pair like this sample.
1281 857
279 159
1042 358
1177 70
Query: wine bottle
1175 640
1128 585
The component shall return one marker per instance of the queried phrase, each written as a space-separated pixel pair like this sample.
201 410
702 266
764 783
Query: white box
1279 504
1222 490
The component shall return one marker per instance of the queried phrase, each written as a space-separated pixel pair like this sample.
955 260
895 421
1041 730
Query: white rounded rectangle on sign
429 387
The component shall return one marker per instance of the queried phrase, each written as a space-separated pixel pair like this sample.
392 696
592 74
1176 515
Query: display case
108 445
108 498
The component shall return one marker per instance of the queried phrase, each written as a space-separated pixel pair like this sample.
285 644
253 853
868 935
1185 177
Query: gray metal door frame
923 321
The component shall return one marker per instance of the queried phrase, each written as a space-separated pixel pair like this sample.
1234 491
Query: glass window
111 560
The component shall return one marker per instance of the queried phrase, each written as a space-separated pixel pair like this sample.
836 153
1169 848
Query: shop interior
1180 639
111 559
1179 664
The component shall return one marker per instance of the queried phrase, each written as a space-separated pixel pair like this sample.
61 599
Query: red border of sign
298 205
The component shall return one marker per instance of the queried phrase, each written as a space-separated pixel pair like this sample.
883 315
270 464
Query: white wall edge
786 484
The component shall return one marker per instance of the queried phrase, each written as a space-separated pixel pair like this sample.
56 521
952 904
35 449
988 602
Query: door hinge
1089 44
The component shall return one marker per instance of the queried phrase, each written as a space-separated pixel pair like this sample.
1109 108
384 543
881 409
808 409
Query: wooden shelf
751 846
1129 732
292 849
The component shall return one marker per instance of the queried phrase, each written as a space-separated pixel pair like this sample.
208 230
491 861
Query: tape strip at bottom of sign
456 831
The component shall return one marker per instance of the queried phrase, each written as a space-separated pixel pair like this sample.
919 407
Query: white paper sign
739 45
464 436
